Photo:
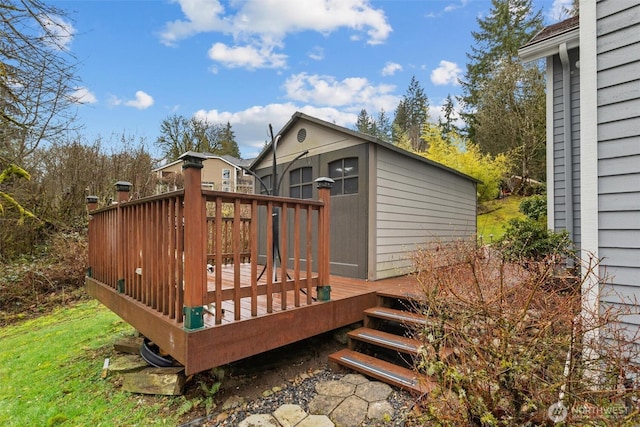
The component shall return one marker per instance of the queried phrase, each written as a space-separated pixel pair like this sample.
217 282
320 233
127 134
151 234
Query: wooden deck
220 343
148 264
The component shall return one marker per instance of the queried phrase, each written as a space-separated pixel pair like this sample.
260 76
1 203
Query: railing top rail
263 199
141 200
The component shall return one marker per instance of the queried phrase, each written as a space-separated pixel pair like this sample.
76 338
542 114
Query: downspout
568 132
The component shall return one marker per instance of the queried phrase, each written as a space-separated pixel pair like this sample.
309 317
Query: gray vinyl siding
561 208
618 80
417 203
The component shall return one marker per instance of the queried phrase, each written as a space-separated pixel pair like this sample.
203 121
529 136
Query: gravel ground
300 391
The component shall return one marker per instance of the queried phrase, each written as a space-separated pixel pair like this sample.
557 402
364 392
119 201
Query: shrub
54 275
525 240
534 207
503 344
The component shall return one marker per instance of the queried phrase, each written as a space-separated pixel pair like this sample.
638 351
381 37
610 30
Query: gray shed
385 202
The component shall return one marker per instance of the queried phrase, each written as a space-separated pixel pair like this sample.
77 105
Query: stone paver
316 421
350 413
380 410
289 415
259 420
335 388
324 405
373 391
344 403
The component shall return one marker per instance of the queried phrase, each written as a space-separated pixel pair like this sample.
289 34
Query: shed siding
559 179
417 204
618 80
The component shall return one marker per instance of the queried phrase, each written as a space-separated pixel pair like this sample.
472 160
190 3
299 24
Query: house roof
233 161
546 42
301 116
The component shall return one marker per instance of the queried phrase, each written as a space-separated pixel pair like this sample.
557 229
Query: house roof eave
550 46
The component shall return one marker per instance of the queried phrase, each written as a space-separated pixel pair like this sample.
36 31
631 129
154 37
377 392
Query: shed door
347 168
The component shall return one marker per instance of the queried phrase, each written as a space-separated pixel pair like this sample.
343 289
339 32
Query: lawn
497 213
50 369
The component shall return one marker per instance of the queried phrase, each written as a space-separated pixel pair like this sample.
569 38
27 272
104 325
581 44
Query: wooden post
122 189
92 203
195 242
324 185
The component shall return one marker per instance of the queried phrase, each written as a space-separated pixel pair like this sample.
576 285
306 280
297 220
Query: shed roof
300 116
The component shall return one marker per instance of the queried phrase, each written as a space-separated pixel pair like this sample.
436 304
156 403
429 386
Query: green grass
498 213
50 373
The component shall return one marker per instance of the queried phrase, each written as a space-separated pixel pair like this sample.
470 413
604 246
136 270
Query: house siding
559 180
416 204
618 109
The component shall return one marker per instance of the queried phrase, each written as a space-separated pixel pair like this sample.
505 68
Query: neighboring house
222 173
385 202
593 143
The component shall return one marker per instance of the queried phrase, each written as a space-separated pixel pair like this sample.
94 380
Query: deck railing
156 250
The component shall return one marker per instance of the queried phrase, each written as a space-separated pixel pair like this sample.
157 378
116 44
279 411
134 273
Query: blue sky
256 62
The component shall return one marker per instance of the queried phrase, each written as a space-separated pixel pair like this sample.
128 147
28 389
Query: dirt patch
254 377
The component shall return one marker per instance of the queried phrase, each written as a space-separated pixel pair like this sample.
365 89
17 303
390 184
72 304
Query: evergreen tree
228 144
447 125
364 122
500 93
383 126
509 25
411 114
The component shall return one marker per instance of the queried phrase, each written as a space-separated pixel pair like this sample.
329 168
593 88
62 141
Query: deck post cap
123 186
92 199
324 182
191 159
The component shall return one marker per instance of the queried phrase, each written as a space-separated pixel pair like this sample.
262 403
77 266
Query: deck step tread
385 339
382 370
402 316
399 294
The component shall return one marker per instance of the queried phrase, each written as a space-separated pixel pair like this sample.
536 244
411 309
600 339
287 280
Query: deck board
341 288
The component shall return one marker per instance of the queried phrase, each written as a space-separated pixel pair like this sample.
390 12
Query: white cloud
317 53
82 95
447 73
558 10
352 91
141 102
251 57
251 126
262 25
390 68
59 32
201 16
453 6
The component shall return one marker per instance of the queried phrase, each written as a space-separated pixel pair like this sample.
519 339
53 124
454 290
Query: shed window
267 181
301 183
345 174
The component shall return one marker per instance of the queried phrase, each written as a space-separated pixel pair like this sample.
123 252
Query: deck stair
382 348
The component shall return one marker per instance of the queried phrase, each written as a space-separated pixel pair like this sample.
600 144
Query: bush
526 240
54 275
534 207
503 344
